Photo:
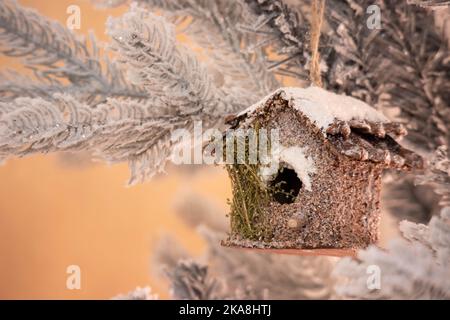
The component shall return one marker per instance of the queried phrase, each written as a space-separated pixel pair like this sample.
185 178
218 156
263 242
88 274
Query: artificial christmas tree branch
216 27
427 248
404 65
430 3
125 107
55 54
141 131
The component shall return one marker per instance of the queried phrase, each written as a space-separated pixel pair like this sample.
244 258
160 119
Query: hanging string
317 9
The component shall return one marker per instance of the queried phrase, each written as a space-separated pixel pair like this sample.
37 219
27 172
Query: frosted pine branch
408 271
284 277
215 27
406 200
191 280
147 45
104 4
286 29
138 294
438 175
117 130
14 85
268 275
196 210
55 53
413 269
404 64
430 3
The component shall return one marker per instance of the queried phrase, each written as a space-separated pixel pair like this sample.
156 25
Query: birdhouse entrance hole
286 185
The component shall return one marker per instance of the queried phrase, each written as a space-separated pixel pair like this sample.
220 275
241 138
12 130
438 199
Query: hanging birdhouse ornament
321 187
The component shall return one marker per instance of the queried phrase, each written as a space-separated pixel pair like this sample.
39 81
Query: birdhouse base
330 252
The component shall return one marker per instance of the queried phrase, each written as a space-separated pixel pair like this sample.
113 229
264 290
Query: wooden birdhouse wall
341 206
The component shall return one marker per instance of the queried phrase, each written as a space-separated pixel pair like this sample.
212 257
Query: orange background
54 214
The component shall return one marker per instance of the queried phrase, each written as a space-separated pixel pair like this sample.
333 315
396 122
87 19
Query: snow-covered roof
346 123
323 107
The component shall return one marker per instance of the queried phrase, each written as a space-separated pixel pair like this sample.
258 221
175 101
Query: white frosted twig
55 53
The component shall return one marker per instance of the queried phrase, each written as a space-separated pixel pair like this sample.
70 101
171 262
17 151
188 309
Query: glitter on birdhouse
325 190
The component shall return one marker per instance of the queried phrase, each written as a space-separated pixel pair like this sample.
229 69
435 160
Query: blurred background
63 210
60 210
